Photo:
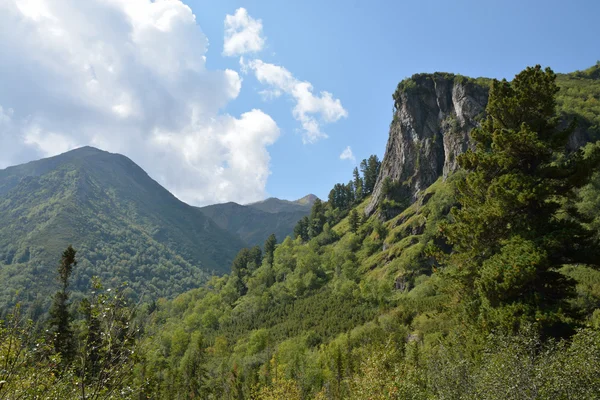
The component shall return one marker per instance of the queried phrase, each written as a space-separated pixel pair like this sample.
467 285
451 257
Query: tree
301 229
105 358
269 249
317 219
370 169
60 317
353 220
341 196
514 227
245 262
193 369
358 185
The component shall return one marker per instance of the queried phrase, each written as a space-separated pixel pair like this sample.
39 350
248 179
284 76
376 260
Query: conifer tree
353 220
358 185
514 227
60 316
370 169
317 219
269 249
301 228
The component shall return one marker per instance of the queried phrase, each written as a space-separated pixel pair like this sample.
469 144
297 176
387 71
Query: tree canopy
515 226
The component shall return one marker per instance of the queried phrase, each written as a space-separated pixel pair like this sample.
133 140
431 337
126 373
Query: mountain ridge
254 222
125 225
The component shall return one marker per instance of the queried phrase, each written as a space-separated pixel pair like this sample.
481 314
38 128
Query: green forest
486 286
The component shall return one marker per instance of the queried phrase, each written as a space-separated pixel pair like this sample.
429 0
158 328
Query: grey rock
431 127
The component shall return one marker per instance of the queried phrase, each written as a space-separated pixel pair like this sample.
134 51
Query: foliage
579 97
60 319
357 307
512 231
97 363
126 227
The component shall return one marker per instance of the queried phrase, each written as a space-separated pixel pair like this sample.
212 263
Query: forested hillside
126 227
483 285
399 305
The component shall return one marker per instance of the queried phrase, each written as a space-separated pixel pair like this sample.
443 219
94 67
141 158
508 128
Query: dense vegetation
88 359
430 303
486 287
579 97
126 227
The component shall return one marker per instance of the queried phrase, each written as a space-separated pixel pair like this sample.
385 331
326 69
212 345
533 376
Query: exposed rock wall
434 115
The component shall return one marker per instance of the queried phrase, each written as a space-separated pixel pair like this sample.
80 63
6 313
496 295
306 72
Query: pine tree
353 220
244 263
370 169
60 317
301 229
358 185
317 219
514 228
269 249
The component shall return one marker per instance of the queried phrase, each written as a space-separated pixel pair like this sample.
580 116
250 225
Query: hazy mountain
253 223
275 205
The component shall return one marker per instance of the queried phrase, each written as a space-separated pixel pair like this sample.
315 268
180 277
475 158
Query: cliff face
434 115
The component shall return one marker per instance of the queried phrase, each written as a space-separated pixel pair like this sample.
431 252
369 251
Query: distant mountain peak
309 199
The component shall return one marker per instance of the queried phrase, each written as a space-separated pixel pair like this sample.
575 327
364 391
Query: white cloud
129 76
243 34
310 110
347 154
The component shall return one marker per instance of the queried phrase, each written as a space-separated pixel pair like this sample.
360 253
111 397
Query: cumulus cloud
243 34
130 76
347 154
310 110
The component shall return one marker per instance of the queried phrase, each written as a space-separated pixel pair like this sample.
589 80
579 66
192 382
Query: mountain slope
359 298
253 223
435 113
125 226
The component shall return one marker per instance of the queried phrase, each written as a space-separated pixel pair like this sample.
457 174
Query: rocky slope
433 116
435 113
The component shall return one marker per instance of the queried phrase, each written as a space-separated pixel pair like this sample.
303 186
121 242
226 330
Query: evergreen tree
301 229
60 317
514 227
244 263
269 249
353 220
317 219
341 196
358 185
370 169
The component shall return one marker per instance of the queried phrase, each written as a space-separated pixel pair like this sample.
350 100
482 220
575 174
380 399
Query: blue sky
360 50
148 80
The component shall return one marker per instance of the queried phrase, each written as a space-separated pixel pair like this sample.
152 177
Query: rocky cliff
433 117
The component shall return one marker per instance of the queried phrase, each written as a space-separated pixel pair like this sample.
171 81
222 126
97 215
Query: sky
242 100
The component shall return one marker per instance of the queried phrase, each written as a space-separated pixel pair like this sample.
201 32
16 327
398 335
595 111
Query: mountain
125 226
253 223
363 308
275 205
435 113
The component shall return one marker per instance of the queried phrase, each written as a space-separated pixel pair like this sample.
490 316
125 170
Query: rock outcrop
433 117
